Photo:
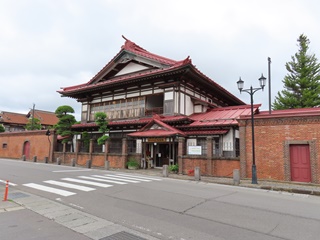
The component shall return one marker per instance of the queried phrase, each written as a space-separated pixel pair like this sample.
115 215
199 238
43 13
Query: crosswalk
69 186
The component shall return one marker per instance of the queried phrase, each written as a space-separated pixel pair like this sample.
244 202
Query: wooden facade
153 101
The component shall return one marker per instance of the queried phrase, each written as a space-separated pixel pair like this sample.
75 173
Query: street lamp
251 91
48 133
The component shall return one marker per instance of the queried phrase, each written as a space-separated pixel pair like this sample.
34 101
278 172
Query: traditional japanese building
16 122
161 110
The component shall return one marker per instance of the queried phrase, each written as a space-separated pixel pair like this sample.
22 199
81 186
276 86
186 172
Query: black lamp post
48 133
251 91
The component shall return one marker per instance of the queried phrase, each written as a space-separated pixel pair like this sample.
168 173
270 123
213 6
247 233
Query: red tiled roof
153 133
123 78
45 117
132 47
140 121
166 130
13 118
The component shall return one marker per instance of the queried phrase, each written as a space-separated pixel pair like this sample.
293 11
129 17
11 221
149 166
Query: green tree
33 124
86 140
66 120
101 121
302 83
2 128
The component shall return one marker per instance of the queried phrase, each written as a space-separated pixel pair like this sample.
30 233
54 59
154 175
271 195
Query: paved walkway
291 187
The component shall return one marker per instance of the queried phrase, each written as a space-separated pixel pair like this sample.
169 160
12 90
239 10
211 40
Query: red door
300 163
26 149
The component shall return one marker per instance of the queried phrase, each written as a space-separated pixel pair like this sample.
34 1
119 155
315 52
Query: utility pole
269 81
32 119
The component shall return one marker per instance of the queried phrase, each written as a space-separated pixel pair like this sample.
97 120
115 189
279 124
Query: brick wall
12 144
273 137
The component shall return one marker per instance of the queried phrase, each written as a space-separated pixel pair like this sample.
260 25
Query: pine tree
302 83
66 120
101 121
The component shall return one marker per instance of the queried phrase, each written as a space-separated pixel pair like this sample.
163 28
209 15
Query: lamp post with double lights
252 91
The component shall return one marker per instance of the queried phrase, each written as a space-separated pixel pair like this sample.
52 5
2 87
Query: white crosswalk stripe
130 178
50 189
70 185
139 177
97 178
92 180
87 182
115 178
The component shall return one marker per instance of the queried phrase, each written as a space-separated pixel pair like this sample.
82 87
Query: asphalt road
168 208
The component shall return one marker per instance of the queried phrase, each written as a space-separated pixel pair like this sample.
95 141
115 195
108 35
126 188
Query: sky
47 45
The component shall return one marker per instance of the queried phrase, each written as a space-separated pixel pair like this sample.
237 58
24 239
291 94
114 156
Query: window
168 107
4 145
132 145
115 145
122 108
203 143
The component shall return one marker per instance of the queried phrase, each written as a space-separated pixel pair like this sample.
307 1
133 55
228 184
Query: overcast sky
49 44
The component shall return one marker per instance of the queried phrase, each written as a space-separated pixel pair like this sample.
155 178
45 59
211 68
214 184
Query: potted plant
133 163
174 168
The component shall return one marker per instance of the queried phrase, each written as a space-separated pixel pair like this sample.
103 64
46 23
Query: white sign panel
194 150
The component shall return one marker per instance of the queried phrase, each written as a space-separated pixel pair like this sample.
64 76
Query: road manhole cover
123 236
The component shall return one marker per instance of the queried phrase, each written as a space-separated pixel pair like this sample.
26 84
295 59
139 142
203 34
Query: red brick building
286 143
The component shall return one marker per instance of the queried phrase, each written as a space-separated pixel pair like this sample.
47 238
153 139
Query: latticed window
115 145
132 146
203 143
122 108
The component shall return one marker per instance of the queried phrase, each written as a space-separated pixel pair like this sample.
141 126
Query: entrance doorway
26 149
162 153
300 163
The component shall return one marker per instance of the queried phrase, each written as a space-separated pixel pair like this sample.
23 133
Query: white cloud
45 45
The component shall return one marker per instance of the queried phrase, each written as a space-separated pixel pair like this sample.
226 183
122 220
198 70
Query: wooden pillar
91 146
181 152
124 151
209 156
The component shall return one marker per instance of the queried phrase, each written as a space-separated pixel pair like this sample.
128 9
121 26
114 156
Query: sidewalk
291 187
26 216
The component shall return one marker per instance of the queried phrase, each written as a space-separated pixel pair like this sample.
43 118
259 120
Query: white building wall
189 106
131 67
182 103
228 141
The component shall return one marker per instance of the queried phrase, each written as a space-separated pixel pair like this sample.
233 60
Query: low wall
217 167
29 143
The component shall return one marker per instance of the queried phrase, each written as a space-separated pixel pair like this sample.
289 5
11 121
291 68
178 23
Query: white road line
139 177
96 178
87 182
70 185
10 183
118 179
78 170
133 178
49 189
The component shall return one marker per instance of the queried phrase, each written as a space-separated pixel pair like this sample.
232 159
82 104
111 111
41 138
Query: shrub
174 168
132 162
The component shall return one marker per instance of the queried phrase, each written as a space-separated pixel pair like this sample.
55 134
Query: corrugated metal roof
222 116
